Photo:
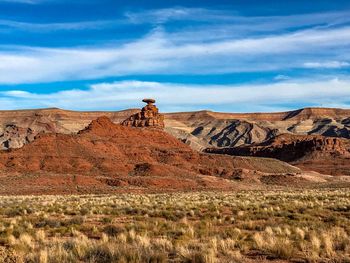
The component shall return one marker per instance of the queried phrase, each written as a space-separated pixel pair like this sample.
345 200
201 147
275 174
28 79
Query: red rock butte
106 157
149 116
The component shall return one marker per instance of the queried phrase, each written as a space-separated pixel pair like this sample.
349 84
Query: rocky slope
108 157
309 152
211 129
20 127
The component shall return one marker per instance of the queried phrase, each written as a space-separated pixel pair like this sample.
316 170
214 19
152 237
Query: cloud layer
176 97
302 41
158 53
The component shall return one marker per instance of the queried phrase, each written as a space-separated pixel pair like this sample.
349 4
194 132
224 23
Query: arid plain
140 186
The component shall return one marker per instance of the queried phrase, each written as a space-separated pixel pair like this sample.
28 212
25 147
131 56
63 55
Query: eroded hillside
211 129
107 157
310 152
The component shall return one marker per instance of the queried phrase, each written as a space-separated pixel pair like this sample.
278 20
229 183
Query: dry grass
310 226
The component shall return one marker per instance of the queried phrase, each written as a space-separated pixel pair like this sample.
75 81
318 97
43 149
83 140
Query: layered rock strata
149 116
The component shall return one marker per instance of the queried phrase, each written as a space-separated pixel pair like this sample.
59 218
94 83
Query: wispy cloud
162 16
32 2
281 77
221 21
157 53
49 27
327 64
37 2
171 96
219 44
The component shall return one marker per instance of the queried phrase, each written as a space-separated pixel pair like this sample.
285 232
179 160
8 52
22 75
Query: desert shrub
113 230
13 212
47 222
76 220
107 220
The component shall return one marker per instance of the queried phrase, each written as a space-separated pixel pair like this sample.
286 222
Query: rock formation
204 129
15 137
148 117
310 152
107 157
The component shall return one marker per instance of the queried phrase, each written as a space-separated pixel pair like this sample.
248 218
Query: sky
229 56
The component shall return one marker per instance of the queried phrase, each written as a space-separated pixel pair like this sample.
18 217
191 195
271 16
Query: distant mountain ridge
300 114
201 129
212 129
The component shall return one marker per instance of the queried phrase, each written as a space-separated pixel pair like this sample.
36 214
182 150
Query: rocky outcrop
312 152
149 116
288 147
15 137
220 133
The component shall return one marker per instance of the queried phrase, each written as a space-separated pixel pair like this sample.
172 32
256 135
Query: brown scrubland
248 226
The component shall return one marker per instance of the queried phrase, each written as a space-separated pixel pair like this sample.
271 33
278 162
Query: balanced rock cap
148 101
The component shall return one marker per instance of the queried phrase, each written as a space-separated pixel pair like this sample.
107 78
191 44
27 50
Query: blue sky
236 56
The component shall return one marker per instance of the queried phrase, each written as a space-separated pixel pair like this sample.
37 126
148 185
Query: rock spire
149 116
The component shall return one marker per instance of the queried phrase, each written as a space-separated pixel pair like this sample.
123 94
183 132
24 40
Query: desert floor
246 226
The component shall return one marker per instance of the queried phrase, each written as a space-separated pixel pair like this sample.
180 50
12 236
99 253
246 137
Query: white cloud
281 77
171 96
220 23
327 64
220 47
47 27
161 16
159 54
